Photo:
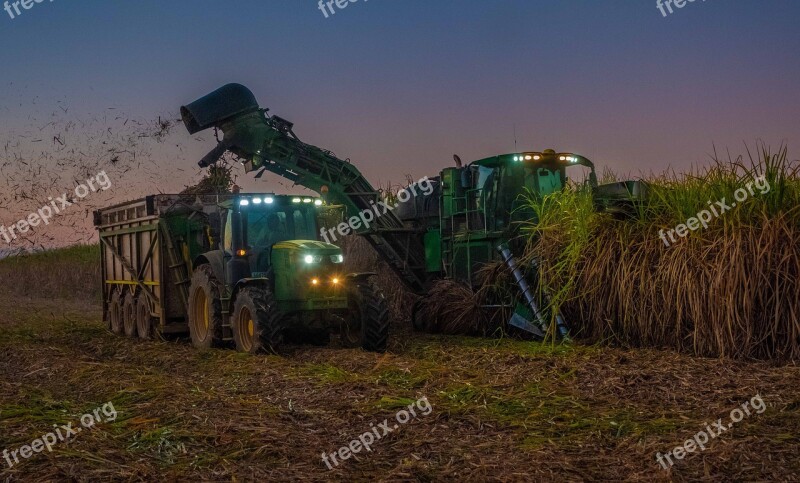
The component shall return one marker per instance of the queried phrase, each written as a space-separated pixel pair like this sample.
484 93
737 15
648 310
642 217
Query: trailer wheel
115 313
205 309
129 315
144 321
256 321
367 321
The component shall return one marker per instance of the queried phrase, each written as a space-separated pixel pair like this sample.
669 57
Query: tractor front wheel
256 322
367 320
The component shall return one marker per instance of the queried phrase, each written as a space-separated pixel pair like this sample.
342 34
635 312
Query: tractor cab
275 238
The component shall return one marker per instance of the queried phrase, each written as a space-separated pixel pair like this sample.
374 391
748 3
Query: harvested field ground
503 410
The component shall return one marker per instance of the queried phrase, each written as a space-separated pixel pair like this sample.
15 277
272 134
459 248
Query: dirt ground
500 410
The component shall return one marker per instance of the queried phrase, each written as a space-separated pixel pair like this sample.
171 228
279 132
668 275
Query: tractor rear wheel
256 321
367 321
115 313
129 315
144 321
205 309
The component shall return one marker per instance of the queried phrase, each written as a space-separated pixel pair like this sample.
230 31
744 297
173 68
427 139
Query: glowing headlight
269 200
296 200
307 200
537 157
256 201
318 202
312 259
244 202
527 158
337 258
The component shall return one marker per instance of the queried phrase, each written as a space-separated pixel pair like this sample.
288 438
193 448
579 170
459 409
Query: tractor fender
216 259
249 282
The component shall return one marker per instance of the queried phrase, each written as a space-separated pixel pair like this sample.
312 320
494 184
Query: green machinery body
465 222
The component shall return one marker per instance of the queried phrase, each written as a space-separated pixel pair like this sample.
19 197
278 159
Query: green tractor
272 278
241 269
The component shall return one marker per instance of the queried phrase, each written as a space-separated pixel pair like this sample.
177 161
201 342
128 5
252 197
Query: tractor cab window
267 227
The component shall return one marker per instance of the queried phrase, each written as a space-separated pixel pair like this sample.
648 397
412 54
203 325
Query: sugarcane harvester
470 218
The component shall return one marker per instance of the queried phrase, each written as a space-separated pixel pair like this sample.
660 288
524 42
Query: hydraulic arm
268 143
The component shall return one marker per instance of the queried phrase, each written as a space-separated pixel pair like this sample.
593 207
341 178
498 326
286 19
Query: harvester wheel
115 313
144 321
205 309
129 315
367 322
256 321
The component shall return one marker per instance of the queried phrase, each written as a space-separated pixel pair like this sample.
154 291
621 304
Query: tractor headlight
337 258
309 259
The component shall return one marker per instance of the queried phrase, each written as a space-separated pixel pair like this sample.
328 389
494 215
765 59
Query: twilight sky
399 86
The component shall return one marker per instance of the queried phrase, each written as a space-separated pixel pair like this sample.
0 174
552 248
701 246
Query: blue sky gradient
401 86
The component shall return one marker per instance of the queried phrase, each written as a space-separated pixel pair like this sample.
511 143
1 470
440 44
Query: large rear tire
256 321
129 314
115 313
205 309
367 321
